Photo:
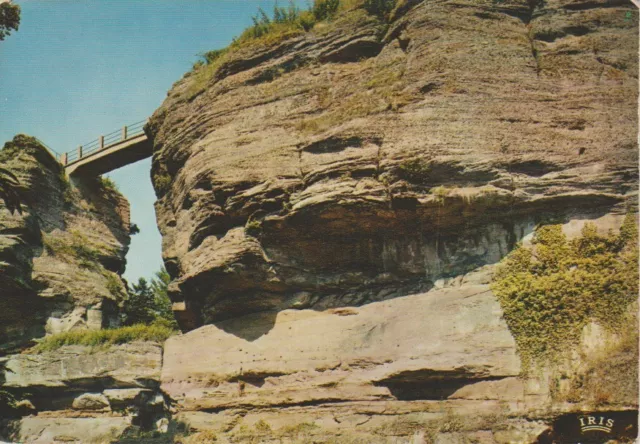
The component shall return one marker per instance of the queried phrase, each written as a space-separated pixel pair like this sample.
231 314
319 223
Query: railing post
124 132
79 152
63 159
101 142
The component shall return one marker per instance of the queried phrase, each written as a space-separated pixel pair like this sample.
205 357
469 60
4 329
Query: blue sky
80 68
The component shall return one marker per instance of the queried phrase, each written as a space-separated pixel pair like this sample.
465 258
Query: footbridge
108 152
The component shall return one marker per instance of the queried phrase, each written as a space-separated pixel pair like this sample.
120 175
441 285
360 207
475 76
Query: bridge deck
110 152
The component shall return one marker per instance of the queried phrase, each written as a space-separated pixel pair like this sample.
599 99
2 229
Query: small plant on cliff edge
253 227
133 229
108 183
550 291
381 8
161 183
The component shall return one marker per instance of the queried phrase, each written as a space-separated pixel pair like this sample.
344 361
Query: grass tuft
270 29
108 184
95 338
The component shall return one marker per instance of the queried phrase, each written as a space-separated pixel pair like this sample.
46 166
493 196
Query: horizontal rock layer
81 394
385 350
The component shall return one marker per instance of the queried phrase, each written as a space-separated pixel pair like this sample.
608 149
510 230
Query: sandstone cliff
61 258
332 205
355 159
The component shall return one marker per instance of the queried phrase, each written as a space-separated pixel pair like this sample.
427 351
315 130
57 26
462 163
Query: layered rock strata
76 394
61 259
361 159
332 206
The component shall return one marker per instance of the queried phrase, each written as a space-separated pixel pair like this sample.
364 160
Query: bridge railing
103 142
53 152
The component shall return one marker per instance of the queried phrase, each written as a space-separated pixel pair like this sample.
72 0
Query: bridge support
63 159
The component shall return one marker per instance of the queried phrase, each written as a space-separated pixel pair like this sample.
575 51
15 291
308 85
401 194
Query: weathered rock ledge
76 394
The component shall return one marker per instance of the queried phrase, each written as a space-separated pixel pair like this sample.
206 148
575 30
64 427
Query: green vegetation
381 8
9 186
325 9
133 229
284 23
161 183
302 430
9 19
440 192
108 184
414 170
157 332
147 316
253 227
149 303
74 248
114 284
8 407
67 189
550 291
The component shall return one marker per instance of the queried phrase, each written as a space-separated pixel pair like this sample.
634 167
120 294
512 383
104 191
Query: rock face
332 206
298 175
84 395
61 258
381 351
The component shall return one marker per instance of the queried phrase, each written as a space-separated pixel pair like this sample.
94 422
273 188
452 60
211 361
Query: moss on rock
551 290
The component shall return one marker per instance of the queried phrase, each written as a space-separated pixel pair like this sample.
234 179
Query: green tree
160 287
9 190
9 19
139 306
149 302
133 229
325 9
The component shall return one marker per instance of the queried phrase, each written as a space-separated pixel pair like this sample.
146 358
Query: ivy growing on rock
551 290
